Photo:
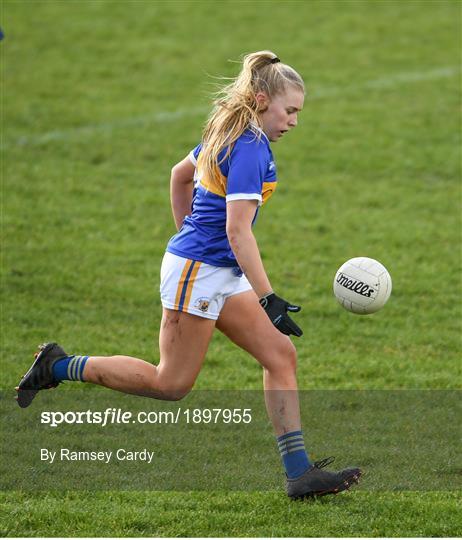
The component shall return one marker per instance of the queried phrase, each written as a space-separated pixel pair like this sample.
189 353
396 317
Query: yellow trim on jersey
215 184
268 189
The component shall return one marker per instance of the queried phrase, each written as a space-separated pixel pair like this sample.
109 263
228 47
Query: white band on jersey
192 159
244 197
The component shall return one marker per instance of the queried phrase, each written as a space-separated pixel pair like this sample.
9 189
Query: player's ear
262 101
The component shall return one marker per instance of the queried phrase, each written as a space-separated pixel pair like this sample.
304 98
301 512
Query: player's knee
284 360
174 392
177 394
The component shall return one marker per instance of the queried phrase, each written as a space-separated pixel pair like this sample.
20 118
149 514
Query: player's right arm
181 190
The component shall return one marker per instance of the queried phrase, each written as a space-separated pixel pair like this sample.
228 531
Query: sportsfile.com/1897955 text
113 416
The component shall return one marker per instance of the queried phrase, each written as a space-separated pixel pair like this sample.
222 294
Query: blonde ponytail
236 108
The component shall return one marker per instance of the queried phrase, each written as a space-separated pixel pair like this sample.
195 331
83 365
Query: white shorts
196 287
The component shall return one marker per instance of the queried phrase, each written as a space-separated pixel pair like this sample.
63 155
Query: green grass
372 169
222 514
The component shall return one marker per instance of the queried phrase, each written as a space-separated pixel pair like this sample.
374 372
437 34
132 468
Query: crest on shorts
202 304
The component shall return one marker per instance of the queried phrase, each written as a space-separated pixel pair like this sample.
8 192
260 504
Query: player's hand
276 308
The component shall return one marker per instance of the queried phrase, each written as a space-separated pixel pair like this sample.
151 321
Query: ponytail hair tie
274 60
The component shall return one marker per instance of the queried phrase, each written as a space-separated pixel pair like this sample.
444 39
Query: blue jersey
248 173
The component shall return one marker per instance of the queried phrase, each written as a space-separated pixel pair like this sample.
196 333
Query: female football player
212 275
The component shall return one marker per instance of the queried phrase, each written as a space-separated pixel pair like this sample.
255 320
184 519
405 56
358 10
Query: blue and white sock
70 368
293 453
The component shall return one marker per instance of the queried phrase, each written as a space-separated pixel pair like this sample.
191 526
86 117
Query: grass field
101 98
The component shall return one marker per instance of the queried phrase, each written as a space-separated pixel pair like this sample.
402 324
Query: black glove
276 309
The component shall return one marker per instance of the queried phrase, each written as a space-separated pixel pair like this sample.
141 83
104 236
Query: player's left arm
181 190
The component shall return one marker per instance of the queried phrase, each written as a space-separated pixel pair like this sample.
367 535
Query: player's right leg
185 334
183 342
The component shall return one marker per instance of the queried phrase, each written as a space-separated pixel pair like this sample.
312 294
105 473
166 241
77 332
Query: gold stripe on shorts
191 285
187 264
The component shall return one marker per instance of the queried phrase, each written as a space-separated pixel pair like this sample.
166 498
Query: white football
362 285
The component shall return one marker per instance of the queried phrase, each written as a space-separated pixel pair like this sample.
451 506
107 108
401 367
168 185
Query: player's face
281 113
